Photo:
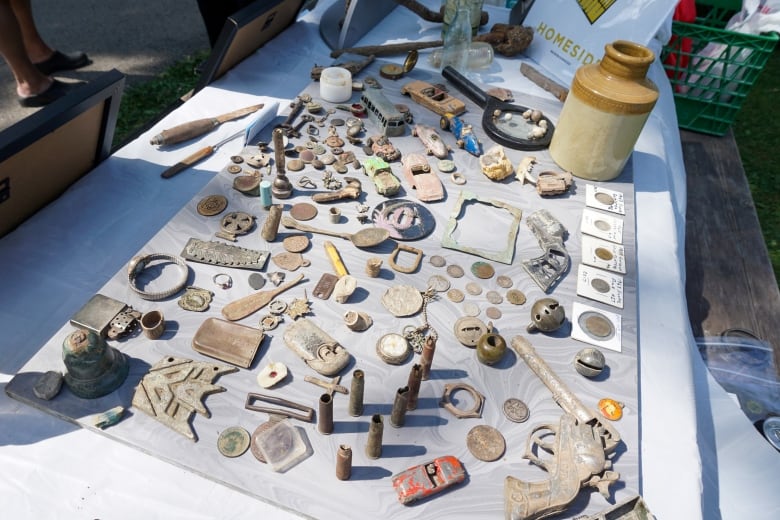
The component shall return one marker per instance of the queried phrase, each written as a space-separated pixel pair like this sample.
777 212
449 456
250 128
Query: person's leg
37 49
29 80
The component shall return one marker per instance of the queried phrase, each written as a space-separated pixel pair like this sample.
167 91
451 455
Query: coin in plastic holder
283 445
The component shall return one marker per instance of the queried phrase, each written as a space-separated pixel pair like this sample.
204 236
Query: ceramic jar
604 113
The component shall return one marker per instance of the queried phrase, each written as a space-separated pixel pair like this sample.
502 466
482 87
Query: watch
139 263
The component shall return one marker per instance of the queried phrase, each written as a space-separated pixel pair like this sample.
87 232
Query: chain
416 335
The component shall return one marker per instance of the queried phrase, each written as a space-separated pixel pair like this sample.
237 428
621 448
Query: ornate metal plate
404 219
224 255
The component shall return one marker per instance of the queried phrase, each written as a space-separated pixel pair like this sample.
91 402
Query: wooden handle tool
247 305
196 157
193 129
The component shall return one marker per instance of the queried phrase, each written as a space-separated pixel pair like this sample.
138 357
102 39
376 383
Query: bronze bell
93 368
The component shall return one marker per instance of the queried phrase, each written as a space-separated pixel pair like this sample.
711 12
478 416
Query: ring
226 281
139 264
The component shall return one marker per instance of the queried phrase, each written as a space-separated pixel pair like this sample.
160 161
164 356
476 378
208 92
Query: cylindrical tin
325 415
415 378
375 430
356 394
265 194
271 224
344 462
153 324
426 358
398 414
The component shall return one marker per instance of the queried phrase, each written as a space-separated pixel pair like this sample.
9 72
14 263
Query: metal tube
375 430
398 415
415 378
344 462
325 415
356 393
426 358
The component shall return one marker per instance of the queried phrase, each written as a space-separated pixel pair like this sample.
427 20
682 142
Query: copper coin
296 243
473 288
455 295
212 205
233 441
482 270
515 296
504 282
516 410
494 313
485 443
254 446
438 261
303 211
455 271
295 165
494 297
307 156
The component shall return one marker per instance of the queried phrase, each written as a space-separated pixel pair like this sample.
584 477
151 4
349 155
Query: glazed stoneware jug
606 109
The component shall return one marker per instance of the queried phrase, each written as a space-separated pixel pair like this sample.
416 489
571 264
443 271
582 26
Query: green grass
143 103
757 132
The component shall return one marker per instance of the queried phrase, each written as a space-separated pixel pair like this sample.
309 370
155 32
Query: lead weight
325 415
398 415
375 430
271 224
344 462
426 358
356 393
415 378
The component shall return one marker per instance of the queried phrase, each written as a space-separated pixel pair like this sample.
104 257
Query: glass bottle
604 113
457 40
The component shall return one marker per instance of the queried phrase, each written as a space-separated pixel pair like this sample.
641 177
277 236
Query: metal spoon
366 237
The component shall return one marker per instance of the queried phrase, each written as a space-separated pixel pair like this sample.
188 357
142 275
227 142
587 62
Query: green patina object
387 184
93 368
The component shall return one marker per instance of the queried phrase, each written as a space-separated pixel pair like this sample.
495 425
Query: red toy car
427 479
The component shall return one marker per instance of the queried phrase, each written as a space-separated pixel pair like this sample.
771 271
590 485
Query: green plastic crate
709 89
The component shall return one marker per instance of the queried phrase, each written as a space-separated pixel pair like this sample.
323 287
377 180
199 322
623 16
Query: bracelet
139 263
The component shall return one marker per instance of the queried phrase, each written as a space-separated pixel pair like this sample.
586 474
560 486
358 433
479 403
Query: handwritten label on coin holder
604 199
603 254
602 286
601 225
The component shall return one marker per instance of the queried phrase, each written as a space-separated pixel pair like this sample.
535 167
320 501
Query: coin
515 297
494 313
254 444
494 297
516 410
455 295
482 270
303 211
438 261
256 281
212 205
296 243
455 271
600 285
504 282
596 325
295 165
438 283
485 443
446 166
234 168
233 441
471 309
473 288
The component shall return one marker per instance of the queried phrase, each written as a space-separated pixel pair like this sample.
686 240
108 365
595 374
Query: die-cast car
427 479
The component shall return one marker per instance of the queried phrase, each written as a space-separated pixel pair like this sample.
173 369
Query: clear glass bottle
480 56
457 39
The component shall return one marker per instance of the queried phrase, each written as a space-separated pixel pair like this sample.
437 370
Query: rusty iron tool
542 81
197 157
247 305
331 386
308 416
198 127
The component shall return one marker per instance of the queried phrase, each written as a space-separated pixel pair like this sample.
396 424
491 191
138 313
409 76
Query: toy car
418 174
382 176
463 132
433 98
383 148
431 140
428 479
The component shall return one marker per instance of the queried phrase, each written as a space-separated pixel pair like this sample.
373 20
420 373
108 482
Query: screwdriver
193 129
197 157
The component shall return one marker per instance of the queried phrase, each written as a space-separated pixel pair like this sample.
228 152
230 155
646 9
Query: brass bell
93 368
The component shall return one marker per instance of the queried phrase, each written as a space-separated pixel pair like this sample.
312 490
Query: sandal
56 90
59 61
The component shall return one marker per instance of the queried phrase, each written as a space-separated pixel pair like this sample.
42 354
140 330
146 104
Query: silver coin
494 313
471 309
504 281
438 283
455 270
473 288
233 441
438 261
455 295
256 281
516 410
485 443
494 297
